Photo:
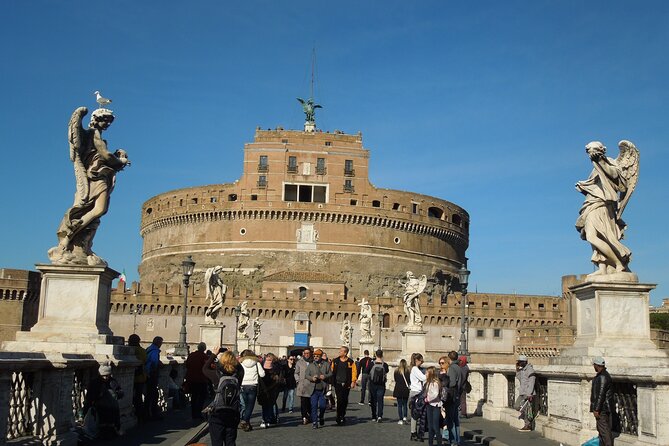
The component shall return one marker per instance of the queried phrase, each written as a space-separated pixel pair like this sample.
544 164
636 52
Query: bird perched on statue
103 102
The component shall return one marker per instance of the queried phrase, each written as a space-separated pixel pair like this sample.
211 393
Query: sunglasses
442 362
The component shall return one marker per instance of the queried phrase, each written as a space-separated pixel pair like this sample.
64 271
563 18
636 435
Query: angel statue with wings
215 293
366 332
95 169
607 192
309 109
412 289
243 322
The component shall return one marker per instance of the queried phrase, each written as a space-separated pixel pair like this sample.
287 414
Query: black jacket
601 394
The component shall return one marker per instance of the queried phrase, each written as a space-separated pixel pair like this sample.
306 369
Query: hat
318 351
522 358
105 370
599 361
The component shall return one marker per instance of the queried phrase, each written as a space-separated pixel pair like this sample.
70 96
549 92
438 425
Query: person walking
317 375
377 385
402 377
195 381
291 384
269 391
416 384
303 389
450 376
102 395
525 375
466 387
253 372
433 399
139 382
344 374
602 404
224 416
152 368
365 365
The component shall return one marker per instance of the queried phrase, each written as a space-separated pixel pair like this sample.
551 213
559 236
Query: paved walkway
176 429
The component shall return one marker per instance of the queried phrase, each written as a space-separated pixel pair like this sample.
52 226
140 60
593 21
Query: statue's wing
422 283
301 101
207 279
318 106
76 138
628 162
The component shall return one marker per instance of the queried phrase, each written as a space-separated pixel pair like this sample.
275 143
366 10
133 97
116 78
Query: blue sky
487 104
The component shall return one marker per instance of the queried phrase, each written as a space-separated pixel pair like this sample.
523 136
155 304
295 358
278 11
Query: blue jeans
288 399
402 410
433 414
376 393
317 402
453 421
248 397
363 387
268 413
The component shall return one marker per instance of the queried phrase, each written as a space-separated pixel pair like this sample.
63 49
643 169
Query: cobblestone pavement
360 428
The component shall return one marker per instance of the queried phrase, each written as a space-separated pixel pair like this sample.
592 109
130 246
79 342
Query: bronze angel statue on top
607 192
95 169
309 108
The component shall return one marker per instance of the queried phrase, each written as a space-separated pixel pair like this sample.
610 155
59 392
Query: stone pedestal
413 341
243 344
212 335
73 313
366 345
309 126
612 321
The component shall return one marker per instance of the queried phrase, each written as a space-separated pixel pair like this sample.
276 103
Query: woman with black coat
401 391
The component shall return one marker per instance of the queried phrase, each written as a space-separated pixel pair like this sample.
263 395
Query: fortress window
435 212
232 197
526 306
555 306
498 305
457 220
328 143
305 194
414 208
284 141
181 202
348 186
480 333
148 211
212 200
386 321
303 292
354 202
512 305
542 307
396 206
376 204
290 192
497 333
262 164
348 168
320 166
319 194
292 164
254 197
262 180
193 200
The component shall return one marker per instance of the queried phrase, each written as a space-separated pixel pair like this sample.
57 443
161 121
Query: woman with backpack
224 410
433 398
401 390
416 381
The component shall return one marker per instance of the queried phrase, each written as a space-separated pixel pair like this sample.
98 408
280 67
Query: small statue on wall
366 332
345 333
256 329
243 322
412 289
215 293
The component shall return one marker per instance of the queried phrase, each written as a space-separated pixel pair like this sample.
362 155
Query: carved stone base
612 321
212 335
413 341
243 344
366 345
309 126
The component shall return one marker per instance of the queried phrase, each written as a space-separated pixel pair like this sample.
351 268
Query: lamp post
380 317
463 274
238 312
181 349
135 312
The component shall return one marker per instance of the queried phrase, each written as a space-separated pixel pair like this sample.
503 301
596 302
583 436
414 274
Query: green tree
659 320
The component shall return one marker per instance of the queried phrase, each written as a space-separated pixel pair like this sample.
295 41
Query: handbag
467 387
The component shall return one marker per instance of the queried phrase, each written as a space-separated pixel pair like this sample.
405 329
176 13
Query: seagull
103 102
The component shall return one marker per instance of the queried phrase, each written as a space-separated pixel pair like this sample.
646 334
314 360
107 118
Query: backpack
378 373
418 404
227 394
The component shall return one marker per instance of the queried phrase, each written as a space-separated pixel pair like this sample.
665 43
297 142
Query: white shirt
417 379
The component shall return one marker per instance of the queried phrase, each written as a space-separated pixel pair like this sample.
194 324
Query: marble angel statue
243 322
366 332
412 289
607 192
95 169
215 293
345 333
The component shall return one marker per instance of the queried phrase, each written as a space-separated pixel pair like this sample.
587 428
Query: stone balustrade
41 396
562 402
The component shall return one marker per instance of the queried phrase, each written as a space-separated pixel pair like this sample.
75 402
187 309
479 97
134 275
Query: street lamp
463 274
137 310
181 349
238 312
380 317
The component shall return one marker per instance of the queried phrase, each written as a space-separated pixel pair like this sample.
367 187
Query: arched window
386 320
435 212
303 292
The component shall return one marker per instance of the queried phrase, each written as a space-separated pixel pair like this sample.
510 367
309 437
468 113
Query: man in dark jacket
152 372
365 365
196 382
344 374
601 402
